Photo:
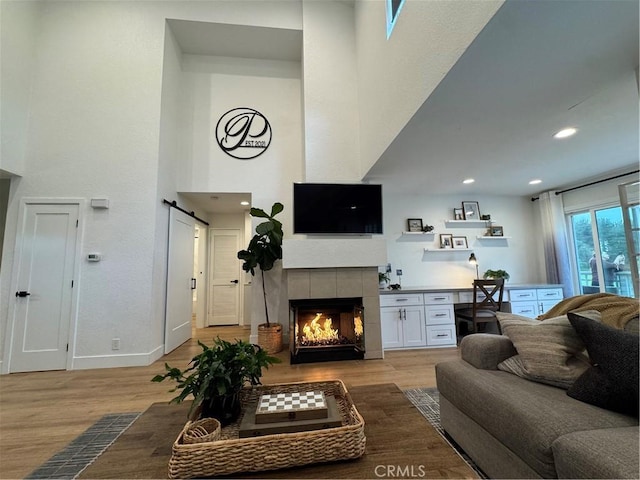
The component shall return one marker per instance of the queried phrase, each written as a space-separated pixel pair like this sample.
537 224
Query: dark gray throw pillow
612 381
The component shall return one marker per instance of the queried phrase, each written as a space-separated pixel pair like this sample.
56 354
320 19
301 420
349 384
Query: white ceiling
241 41
537 66
219 202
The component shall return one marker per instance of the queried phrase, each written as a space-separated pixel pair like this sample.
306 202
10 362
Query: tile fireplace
327 329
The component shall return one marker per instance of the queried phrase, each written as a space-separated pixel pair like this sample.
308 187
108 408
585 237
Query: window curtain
556 248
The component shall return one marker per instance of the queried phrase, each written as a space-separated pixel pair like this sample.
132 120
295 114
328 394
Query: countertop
459 288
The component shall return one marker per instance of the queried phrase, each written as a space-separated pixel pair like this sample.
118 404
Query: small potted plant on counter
496 274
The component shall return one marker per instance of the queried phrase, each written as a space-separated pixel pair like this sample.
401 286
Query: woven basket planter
201 431
270 337
231 454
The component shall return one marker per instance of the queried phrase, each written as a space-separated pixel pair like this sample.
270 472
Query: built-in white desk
424 316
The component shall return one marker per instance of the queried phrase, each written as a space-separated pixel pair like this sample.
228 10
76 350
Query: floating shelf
469 223
448 249
419 233
490 237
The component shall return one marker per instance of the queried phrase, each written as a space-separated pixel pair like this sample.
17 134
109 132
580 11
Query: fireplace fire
323 330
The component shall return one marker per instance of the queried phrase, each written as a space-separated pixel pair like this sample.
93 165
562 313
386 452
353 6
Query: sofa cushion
548 352
612 381
486 351
525 416
602 453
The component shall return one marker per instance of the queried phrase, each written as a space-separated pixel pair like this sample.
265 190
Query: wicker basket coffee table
231 454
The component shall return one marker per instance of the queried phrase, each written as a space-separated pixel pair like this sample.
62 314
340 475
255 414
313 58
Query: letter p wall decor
243 133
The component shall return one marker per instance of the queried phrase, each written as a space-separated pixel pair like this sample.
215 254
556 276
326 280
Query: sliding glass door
601 251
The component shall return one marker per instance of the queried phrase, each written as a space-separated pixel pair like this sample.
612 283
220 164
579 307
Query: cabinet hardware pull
402 299
442 335
439 298
441 315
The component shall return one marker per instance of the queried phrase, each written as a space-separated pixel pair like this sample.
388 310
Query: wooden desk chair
487 300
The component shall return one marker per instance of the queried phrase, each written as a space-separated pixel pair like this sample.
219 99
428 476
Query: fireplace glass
323 330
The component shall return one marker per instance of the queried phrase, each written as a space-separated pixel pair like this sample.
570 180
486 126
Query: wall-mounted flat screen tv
334 208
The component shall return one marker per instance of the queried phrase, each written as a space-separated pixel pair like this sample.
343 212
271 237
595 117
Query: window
605 268
393 10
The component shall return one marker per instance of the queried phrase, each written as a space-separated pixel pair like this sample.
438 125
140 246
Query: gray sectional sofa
516 428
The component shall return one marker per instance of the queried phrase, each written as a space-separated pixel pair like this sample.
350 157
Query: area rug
400 443
427 401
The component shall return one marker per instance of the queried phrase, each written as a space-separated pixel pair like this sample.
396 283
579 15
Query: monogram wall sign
243 133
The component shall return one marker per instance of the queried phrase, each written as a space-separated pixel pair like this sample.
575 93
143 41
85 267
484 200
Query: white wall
396 76
95 131
332 150
216 85
19 30
516 255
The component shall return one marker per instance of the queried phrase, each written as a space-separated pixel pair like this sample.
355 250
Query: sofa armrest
486 351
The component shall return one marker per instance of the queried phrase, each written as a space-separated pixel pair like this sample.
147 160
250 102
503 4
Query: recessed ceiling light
468 180
244 202
535 182
565 132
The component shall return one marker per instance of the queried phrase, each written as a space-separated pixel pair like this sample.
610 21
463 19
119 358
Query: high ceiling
537 67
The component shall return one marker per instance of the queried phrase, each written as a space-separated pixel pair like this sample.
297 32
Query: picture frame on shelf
446 240
414 225
458 214
471 210
496 231
459 242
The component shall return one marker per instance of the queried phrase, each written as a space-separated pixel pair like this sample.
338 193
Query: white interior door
45 256
224 279
179 279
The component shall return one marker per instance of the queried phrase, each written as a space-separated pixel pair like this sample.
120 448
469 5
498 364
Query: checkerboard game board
291 406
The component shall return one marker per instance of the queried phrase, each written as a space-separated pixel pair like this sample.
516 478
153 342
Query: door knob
22 294
234 281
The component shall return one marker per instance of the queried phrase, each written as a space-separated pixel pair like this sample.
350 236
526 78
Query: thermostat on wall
94 257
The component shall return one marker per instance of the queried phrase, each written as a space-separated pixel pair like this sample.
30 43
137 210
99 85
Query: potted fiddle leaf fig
264 250
216 376
496 274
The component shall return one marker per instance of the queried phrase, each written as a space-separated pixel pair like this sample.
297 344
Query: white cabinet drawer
401 300
439 314
545 294
439 335
522 295
545 306
467 297
526 309
438 298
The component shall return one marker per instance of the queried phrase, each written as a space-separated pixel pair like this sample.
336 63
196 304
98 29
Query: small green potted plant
496 274
383 279
216 376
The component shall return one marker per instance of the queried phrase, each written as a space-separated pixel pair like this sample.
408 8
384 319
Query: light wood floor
41 412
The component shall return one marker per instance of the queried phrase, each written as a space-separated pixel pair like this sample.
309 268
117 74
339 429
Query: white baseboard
114 361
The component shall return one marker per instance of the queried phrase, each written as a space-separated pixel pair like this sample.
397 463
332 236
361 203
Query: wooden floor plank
41 412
